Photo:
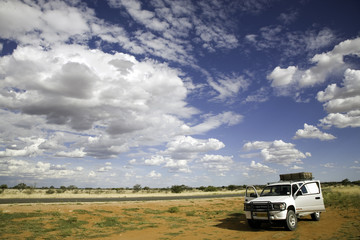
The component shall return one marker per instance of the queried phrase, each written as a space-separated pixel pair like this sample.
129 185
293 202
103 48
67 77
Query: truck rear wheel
315 216
291 221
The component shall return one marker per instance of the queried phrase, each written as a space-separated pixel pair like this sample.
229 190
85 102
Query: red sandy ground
210 219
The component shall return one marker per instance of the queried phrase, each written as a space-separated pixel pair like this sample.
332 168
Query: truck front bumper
271 215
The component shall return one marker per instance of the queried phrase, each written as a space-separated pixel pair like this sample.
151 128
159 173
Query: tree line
173 188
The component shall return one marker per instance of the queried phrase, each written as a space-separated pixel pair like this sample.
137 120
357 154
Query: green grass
131 209
173 210
190 213
4 217
69 226
108 222
152 211
103 211
174 234
82 211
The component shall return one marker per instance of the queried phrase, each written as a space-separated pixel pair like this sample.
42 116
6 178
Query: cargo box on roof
296 176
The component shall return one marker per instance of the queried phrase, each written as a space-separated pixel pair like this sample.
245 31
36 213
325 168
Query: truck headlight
247 207
279 206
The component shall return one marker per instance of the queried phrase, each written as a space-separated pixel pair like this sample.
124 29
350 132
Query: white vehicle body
284 201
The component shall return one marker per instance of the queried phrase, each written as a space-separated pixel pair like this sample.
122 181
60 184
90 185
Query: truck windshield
276 190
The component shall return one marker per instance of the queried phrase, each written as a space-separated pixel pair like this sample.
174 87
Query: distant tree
211 189
345 182
137 188
3 186
232 187
146 188
177 189
72 187
357 182
20 186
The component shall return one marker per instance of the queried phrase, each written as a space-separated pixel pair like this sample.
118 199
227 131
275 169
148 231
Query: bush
190 213
20 186
173 210
50 191
60 190
210 189
72 187
137 188
179 188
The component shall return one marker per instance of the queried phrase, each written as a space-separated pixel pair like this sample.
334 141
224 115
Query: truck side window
304 190
313 188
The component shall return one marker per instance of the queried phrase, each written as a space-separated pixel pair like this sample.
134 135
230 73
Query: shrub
50 191
20 186
177 189
60 190
137 188
190 213
72 187
173 210
210 189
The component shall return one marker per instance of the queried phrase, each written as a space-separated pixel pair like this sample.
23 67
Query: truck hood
271 199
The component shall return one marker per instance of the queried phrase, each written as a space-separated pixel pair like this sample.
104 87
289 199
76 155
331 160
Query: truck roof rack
289 181
296 176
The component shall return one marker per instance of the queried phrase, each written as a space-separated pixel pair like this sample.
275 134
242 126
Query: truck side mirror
253 195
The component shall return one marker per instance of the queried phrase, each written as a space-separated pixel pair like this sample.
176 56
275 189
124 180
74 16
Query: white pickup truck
284 201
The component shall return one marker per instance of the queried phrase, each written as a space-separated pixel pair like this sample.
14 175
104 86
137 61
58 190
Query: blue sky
159 93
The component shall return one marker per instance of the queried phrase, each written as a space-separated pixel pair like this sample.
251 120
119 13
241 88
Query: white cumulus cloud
278 152
282 76
154 174
258 167
324 64
311 131
217 163
342 103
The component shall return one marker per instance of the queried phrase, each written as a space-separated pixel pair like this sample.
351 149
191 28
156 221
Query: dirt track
191 219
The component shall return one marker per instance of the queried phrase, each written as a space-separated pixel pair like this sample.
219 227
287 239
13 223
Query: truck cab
284 201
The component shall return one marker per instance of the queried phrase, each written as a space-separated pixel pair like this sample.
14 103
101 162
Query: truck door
250 193
309 198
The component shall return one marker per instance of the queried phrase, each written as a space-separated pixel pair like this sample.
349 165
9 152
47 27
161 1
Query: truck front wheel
291 221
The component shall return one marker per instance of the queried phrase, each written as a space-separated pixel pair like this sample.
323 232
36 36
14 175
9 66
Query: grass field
342 196
180 219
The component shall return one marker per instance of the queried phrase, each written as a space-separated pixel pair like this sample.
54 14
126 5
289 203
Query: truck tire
254 224
315 216
291 221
